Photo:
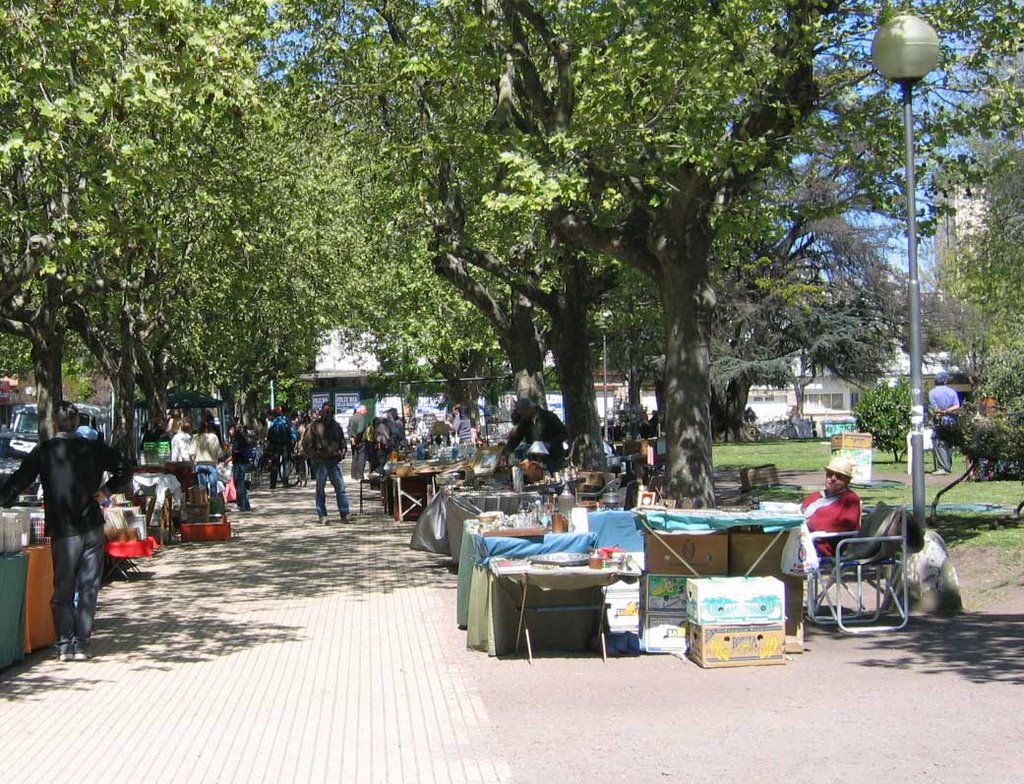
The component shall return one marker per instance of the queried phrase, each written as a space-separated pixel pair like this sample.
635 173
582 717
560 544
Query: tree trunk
525 350
689 303
47 355
575 367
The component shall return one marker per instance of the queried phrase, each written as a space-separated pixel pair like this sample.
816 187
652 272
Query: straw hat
841 465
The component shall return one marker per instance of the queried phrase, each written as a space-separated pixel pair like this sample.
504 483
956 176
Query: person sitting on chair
834 510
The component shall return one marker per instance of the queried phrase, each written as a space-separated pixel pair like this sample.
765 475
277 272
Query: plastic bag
230 494
799 557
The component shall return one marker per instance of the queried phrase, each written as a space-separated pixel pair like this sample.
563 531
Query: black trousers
77 568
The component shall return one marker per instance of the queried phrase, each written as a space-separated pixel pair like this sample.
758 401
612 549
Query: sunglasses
834 475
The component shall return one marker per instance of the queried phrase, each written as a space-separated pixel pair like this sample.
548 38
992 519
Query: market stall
39 631
439 527
13 574
725 543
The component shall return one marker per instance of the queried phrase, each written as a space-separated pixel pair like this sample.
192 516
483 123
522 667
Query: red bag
230 494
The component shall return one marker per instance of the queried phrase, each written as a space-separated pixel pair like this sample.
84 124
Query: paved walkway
299 653
295 652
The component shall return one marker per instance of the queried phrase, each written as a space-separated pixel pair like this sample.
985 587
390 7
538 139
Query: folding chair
864 587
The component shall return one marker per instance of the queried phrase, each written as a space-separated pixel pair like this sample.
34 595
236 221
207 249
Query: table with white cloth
161 486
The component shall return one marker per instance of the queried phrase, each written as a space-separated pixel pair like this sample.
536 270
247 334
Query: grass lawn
974 527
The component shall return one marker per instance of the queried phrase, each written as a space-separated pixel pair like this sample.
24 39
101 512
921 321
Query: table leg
522 624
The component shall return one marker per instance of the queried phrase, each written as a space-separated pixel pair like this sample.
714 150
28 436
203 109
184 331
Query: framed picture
647 498
486 460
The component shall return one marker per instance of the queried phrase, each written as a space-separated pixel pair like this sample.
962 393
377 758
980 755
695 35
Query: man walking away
324 442
357 425
70 469
944 403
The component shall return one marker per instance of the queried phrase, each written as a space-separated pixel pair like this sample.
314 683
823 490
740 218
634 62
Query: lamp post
905 50
604 359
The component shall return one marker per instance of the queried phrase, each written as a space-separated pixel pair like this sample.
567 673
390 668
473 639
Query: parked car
24 433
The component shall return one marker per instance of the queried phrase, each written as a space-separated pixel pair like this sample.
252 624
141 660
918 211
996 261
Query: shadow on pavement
981 647
198 601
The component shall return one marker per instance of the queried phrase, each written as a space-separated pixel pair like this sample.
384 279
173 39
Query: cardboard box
665 593
852 441
693 555
735 600
758 476
206 532
745 549
623 611
665 632
741 645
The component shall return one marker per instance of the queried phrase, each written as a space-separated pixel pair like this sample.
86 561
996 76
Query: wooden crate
759 476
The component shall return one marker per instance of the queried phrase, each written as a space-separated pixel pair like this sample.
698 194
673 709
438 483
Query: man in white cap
834 510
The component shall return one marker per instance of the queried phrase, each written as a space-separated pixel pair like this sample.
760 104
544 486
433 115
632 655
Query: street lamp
605 317
905 50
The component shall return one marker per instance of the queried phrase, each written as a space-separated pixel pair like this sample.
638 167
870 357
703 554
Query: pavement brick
295 652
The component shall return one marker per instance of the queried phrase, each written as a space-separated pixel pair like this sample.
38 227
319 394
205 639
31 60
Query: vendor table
503 599
13 574
439 527
121 557
169 496
161 485
754 551
39 631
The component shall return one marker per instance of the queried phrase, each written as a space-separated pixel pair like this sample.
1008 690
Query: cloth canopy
177 398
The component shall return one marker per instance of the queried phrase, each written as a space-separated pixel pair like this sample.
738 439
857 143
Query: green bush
885 413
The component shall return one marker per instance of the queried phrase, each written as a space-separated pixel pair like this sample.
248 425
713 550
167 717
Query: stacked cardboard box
671 560
736 621
760 555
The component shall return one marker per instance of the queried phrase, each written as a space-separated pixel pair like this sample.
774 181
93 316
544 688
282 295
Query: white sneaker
324 521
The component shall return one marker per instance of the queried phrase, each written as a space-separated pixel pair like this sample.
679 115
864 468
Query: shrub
885 413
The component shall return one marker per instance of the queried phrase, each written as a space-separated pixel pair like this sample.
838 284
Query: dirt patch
988 575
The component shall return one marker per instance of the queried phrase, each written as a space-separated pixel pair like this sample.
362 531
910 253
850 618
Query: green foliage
1004 377
884 412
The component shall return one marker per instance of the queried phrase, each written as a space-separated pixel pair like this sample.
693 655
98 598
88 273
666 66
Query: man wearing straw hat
836 508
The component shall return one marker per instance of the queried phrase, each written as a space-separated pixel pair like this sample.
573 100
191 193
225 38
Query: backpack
280 434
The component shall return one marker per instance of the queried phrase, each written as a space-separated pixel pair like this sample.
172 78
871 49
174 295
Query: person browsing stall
70 469
834 509
538 424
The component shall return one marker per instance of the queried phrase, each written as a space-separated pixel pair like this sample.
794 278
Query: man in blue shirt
943 403
70 469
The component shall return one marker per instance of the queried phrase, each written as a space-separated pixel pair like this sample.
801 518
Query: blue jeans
206 473
329 469
77 567
241 494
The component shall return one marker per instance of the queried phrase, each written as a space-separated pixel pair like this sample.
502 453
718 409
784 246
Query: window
824 400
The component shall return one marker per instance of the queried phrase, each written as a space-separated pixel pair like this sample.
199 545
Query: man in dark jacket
324 442
70 469
538 424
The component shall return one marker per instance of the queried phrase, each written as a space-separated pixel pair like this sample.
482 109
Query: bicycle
284 470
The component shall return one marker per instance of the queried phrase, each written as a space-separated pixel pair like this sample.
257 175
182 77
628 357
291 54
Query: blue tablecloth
616 529
703 520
